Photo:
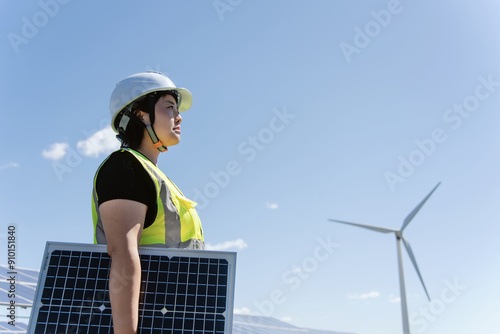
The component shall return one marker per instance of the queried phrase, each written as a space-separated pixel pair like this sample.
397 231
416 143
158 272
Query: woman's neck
149 151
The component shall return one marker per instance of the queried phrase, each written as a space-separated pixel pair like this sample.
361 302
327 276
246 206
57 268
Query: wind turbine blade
412 257
417 209
373 228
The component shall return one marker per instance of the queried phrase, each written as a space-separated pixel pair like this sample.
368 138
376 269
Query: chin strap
127 116
149 128
154 138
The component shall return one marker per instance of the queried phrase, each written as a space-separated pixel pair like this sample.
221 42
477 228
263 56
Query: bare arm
123 221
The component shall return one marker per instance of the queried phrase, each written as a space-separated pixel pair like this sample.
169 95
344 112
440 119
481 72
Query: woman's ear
143 116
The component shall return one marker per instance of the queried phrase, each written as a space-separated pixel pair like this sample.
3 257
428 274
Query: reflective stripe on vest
176 224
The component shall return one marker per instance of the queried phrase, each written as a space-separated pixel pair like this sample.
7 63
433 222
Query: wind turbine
399 237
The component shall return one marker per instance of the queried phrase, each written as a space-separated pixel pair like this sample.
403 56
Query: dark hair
133 135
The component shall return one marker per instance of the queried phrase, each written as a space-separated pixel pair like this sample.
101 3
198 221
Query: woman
134 203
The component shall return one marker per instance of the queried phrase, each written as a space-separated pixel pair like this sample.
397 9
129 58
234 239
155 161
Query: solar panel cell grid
179 294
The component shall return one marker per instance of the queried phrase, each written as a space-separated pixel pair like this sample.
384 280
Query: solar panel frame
195 287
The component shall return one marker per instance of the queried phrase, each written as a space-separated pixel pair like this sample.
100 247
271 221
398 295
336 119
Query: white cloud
286 319
56 151
9 165
272 206
238 243
103 141
394 300
243 311
373 294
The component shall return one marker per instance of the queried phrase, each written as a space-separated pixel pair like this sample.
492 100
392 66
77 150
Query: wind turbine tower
399 238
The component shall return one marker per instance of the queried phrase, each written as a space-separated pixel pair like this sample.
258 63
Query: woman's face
167 123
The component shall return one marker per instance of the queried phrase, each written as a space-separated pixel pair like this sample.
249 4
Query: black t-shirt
123 177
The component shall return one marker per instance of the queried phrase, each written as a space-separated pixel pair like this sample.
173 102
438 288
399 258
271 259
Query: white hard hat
135 86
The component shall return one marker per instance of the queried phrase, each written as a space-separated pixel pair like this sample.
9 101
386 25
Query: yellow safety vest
177 224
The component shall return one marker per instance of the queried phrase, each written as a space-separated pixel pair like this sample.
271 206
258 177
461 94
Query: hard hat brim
139 85
185 101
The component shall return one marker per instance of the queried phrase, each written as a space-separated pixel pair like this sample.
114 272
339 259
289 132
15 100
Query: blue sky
351 110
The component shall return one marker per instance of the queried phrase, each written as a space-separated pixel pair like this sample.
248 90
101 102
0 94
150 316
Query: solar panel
26 280
182 291
6 328
254 324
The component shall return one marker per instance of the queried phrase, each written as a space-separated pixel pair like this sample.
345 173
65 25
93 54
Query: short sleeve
123 177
